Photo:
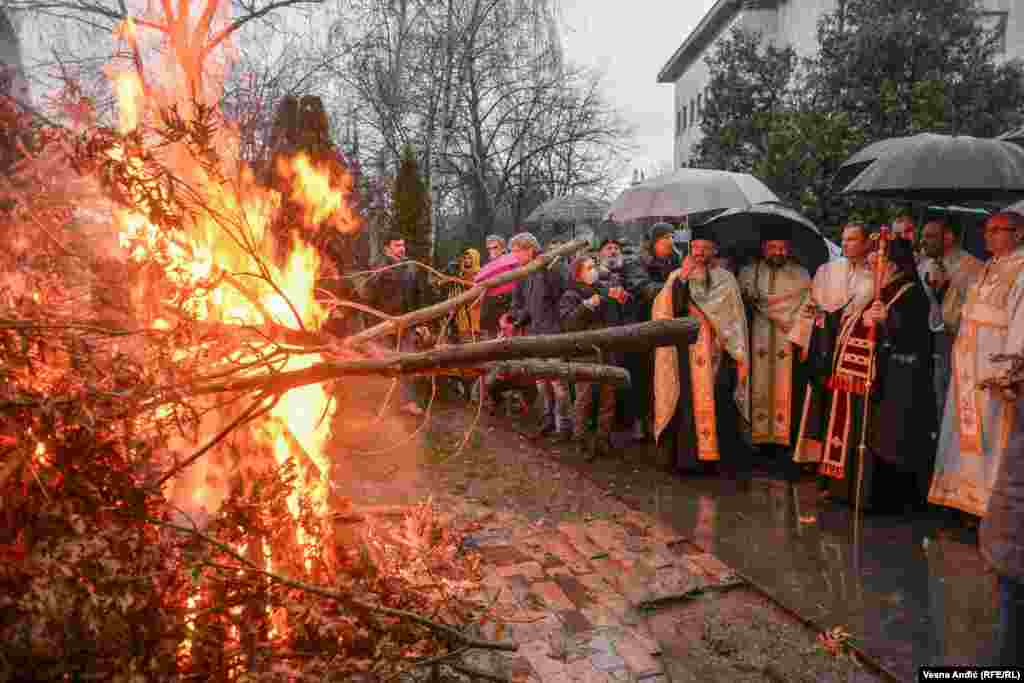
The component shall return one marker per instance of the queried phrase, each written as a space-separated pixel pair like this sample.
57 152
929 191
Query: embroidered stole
853 373
970 400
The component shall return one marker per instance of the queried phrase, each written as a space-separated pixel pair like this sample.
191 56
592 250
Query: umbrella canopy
1015 136
1016 208
688 191
569 209
944 168
855 165
738 231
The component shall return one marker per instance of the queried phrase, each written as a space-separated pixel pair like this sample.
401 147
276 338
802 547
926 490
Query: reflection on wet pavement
912 592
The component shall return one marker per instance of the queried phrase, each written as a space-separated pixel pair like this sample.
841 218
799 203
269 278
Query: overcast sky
630 41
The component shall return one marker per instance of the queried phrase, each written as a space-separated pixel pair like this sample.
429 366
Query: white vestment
976 423
836 284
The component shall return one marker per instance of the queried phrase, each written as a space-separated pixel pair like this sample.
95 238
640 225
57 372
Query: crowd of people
868 375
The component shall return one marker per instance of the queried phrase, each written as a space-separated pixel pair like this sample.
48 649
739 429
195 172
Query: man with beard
881 371
946 271
776 289
613 273
695 386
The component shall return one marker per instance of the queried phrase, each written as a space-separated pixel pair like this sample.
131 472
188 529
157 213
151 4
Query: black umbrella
738 231
855 165
1014 136
944 168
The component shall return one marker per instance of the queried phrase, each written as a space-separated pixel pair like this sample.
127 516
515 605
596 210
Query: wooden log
638 337
545 369
424 315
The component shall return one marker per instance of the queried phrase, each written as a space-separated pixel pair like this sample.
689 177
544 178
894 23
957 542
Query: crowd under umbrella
686 192
738 232
943 169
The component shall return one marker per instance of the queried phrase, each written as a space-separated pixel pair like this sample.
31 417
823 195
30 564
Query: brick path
569 596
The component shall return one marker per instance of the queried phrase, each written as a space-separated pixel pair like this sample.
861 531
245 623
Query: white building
788 23
12 75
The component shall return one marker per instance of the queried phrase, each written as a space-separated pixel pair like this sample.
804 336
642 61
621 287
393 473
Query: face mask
590 277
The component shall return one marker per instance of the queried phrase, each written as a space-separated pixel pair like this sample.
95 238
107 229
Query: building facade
12 76
787 23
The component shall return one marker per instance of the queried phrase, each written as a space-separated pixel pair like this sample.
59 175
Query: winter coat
394 291
578 317
633 310
535 302
644 278
1002 530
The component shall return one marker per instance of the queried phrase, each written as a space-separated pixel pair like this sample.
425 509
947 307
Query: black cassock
681 432
901 435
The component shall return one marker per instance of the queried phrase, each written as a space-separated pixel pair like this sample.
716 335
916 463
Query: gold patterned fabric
776 296
977 424
716 302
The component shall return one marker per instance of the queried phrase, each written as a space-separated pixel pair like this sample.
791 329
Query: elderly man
495 246
977 423
776 289
946 271
535 311
695 387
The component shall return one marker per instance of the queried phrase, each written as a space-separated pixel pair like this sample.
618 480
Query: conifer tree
410 208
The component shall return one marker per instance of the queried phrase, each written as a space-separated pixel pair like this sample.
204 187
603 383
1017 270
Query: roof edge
720 12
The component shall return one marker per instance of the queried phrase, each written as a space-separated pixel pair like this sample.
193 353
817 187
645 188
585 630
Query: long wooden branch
549 369
423 315
638 337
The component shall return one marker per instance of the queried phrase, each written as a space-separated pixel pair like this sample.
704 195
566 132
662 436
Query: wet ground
912 589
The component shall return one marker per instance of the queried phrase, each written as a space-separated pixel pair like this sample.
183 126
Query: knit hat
659 230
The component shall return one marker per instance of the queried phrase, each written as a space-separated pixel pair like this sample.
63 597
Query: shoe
603 447
411 408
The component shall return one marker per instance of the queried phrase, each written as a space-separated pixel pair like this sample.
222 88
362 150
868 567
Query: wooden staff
883 238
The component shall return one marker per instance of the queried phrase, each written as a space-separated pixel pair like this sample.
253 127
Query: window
679 122
693 113
996 23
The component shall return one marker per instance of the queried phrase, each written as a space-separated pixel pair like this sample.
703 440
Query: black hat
703 232
773 231
659 230
900 253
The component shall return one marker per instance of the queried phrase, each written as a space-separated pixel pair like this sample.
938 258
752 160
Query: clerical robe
889 370
837 286
698 401
777 381
977 424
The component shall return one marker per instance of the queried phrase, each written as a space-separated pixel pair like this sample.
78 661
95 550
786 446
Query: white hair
524 240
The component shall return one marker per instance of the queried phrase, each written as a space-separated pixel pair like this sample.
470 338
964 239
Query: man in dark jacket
643 279
535 310
395 288
1002 545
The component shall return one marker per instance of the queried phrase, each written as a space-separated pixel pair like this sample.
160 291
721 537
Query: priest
775 289
977 424
881 368
696 387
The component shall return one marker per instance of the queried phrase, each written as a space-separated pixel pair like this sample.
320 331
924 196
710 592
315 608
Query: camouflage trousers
584 404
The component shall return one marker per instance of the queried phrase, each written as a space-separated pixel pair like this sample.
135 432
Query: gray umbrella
689 191
944 168
569 209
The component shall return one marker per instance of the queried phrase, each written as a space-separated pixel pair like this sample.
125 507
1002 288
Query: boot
603 446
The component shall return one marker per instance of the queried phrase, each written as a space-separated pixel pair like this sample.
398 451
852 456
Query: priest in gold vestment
776 289
977 423
696 387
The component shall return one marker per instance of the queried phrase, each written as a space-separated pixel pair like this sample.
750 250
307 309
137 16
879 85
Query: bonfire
166 401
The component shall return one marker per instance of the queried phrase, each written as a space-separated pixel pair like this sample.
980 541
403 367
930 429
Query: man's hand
619 294
937 279
808 310
875 314
594 301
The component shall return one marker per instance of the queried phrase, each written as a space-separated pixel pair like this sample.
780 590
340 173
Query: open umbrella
1014 136
569 209
738 231
688 191
855 165
944 168
496 267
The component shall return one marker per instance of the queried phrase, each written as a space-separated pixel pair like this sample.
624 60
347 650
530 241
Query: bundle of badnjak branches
118 378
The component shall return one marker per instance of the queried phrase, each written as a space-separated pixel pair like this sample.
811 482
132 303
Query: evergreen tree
410 207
